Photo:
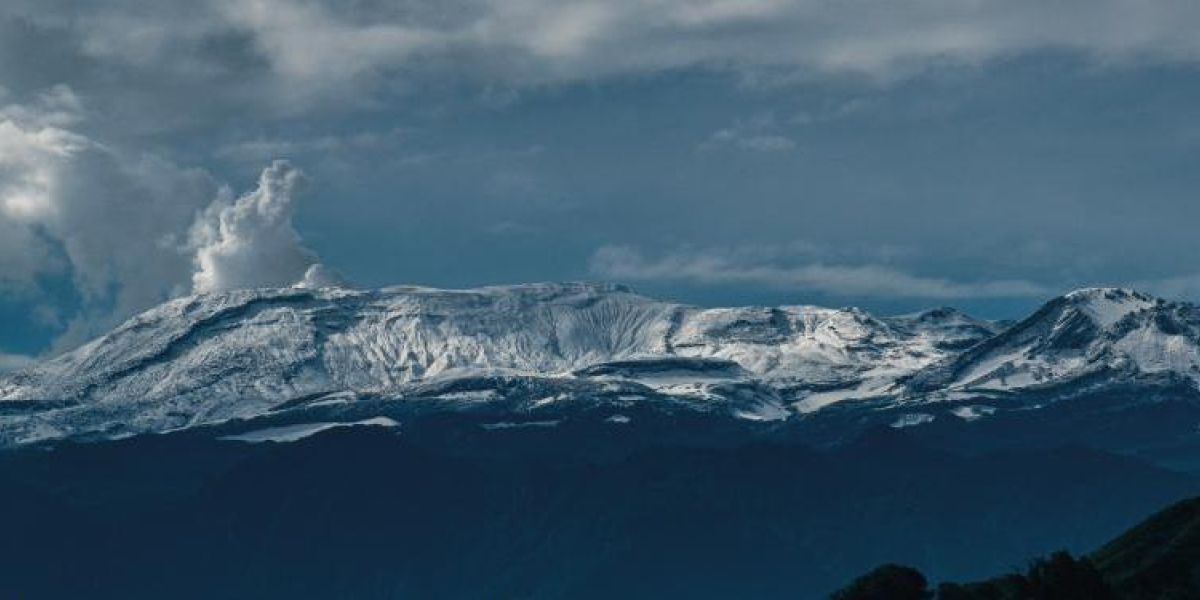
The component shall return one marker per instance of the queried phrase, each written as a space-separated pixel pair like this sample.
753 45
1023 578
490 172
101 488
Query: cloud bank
853 280
316 51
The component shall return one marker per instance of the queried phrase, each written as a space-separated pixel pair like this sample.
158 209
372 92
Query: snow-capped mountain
1091 336
542 351
211 358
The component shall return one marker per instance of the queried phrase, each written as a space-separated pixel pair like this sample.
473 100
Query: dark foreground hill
1159 558
1156 560
467 513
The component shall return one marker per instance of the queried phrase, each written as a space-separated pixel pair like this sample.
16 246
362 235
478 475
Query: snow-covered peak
1106 306
1094 332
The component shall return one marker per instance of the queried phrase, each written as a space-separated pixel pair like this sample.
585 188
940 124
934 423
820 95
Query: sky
985 154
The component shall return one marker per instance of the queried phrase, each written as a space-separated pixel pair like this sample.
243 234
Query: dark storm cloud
295 55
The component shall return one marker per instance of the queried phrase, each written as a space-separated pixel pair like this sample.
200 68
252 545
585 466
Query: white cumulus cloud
250 241
128 230
70 206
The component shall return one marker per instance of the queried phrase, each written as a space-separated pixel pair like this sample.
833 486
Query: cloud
14 362
1185 286
128 230
267 149
71 206
316 51
767 143
757 134
250 241
319 276
508 228
738 268
58 106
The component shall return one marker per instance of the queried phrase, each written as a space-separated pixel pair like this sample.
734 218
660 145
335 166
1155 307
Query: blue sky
986 155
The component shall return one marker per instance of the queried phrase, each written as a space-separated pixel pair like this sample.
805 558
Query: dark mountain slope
1159 558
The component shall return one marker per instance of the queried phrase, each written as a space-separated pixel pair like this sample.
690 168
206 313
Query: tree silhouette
889 582
1059 577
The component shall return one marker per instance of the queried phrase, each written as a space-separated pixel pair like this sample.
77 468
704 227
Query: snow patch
469 396
519 425
292 433
548 400
764 412
912 420
1106 306
972 413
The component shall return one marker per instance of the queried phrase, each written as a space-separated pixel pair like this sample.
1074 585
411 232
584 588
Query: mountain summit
1087 335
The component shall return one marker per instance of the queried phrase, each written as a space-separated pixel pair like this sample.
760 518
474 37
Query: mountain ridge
241 355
